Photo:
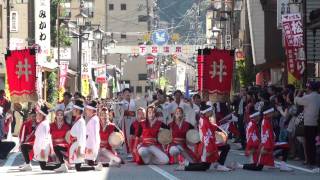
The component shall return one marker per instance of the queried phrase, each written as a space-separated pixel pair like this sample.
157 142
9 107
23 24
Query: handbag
299 131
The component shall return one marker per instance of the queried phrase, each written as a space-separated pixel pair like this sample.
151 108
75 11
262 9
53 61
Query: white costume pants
105 155
126 124
153 155
177 149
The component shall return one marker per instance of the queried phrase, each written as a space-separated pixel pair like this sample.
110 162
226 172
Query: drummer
178 149
58 131
207 149
106 128
150 150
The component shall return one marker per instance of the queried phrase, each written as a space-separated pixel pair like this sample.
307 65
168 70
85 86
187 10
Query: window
111 7
138 89
132 89
142 77
21 1
123 7
142 18
13 21
123 36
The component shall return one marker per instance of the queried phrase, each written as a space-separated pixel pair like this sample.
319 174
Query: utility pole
8 23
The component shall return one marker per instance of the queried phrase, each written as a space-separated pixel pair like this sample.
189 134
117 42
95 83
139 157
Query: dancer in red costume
150 149
106 128
178 149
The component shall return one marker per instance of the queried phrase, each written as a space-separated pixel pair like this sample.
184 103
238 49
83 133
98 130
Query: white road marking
11 159
9 162
277 162
163 172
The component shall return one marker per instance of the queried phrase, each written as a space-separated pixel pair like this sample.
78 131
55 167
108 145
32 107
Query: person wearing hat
26 139
43 143
58 131
106 129
207 148
78 140
178 149
311 109
150 150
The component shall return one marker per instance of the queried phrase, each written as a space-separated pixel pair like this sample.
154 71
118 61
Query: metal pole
58 32
120 68
8 23
79 59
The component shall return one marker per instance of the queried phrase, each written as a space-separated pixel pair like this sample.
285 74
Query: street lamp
81 19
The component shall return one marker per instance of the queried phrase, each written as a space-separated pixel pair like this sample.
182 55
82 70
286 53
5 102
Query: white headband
91 107
268 111
254 114
41 112
207 110
77 107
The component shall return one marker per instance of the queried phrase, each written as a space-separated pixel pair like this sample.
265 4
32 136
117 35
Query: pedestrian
66 106
5 146
311 105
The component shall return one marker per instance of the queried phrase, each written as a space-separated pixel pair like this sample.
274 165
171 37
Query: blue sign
160 37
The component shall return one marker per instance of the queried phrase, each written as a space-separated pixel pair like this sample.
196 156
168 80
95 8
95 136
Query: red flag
215 71
21 71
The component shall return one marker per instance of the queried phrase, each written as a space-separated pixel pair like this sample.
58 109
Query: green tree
52 88
63 38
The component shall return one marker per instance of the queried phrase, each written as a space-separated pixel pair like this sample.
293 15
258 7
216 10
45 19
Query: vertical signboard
42 26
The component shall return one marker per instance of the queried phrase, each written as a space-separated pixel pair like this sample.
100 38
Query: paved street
131 171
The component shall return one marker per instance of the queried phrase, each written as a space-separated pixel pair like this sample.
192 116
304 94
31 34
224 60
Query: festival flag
187 95
294 45
21 74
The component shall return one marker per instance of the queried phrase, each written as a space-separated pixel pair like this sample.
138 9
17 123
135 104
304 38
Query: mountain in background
181 14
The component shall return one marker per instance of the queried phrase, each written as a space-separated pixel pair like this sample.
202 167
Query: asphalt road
130 171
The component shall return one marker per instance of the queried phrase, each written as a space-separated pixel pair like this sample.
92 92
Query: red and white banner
294 46
21 72
215 68
63 73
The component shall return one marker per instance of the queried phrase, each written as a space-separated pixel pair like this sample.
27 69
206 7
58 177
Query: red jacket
253 140
105 133
207 148
58 134
27 131
267 143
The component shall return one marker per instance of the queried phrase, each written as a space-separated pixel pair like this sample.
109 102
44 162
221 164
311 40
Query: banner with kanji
63 73
294 46
215 68
21 74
